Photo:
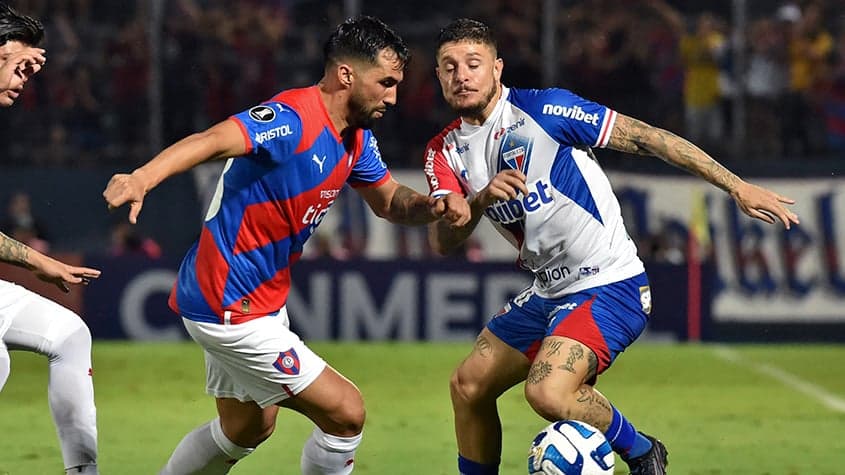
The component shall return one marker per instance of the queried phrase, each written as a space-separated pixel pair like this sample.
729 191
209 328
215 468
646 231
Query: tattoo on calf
539 370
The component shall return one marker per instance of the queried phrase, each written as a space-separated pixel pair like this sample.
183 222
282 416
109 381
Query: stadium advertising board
763 273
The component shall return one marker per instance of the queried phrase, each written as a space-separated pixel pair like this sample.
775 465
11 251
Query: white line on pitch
830 400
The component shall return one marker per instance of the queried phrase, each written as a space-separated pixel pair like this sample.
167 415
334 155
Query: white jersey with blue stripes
568 228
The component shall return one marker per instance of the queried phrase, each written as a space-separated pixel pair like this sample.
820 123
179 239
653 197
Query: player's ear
344 74
498 65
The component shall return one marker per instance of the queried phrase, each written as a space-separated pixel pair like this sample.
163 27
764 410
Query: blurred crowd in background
125 78
671 63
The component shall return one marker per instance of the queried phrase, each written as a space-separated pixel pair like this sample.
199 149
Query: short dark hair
465 29
17 27
363 37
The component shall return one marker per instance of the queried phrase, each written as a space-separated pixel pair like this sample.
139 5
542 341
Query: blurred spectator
766 83
21 224
810 48
126 241
702 49
834 101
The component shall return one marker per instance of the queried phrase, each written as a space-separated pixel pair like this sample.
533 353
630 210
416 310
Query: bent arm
444 238
223 140
399 204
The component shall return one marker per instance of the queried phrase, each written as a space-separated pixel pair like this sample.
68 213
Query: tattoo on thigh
592 364
483 346
539 370
576 352
552 348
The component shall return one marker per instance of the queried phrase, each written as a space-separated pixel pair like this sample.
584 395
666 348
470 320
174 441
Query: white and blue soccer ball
570 448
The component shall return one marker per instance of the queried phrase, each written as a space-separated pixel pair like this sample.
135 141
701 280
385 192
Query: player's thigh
605 319
332 402
491 368
260 360
32 322
561 366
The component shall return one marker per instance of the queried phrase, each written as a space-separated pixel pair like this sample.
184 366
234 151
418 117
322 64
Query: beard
475 110
361 116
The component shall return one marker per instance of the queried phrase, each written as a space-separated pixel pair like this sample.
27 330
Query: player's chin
6 100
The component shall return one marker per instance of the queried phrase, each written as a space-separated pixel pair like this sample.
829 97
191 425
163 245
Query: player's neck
336 103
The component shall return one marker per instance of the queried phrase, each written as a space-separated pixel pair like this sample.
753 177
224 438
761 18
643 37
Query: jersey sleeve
369 169
441 178
567 117
272 131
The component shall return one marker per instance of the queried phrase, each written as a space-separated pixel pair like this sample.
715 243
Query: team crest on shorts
288 362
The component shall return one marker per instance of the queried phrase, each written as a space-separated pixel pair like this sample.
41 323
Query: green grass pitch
716 416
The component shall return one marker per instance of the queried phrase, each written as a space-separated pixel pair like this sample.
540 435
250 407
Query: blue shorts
606 319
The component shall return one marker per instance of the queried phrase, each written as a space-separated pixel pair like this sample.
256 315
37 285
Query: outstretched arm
223 140
46 268
634 136
445 238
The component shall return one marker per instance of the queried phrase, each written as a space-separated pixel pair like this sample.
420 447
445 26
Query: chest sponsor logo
573 112
262 114
504 130
511 211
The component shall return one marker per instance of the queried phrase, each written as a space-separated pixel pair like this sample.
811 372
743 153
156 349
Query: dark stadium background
124 79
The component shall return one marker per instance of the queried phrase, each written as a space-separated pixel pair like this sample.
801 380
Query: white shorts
32 322
260 360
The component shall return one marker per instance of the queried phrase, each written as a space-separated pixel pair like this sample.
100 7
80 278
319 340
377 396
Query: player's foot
653 462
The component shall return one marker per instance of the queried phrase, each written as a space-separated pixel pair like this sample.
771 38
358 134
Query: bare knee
467 389
246 425
550 403
348 418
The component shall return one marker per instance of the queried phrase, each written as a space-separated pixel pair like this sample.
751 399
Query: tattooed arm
46 268
14 252
399 204
634 136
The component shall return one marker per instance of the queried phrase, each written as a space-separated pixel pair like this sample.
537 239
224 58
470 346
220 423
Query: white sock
70 392
205 451
325 454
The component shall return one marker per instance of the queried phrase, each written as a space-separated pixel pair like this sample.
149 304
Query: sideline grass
715 416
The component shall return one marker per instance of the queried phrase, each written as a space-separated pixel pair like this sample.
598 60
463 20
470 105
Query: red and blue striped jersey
267 204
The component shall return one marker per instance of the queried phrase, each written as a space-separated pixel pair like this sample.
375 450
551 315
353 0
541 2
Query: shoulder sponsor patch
262 114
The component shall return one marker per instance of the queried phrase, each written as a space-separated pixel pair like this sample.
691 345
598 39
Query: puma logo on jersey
319 162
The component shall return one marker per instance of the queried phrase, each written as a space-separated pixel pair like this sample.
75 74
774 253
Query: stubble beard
476 110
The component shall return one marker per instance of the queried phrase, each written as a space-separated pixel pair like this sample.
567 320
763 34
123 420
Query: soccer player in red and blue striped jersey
288 159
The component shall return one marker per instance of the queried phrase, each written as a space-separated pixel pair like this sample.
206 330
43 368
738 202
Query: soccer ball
570 448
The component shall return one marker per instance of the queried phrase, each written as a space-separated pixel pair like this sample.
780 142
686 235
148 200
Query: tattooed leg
556 388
